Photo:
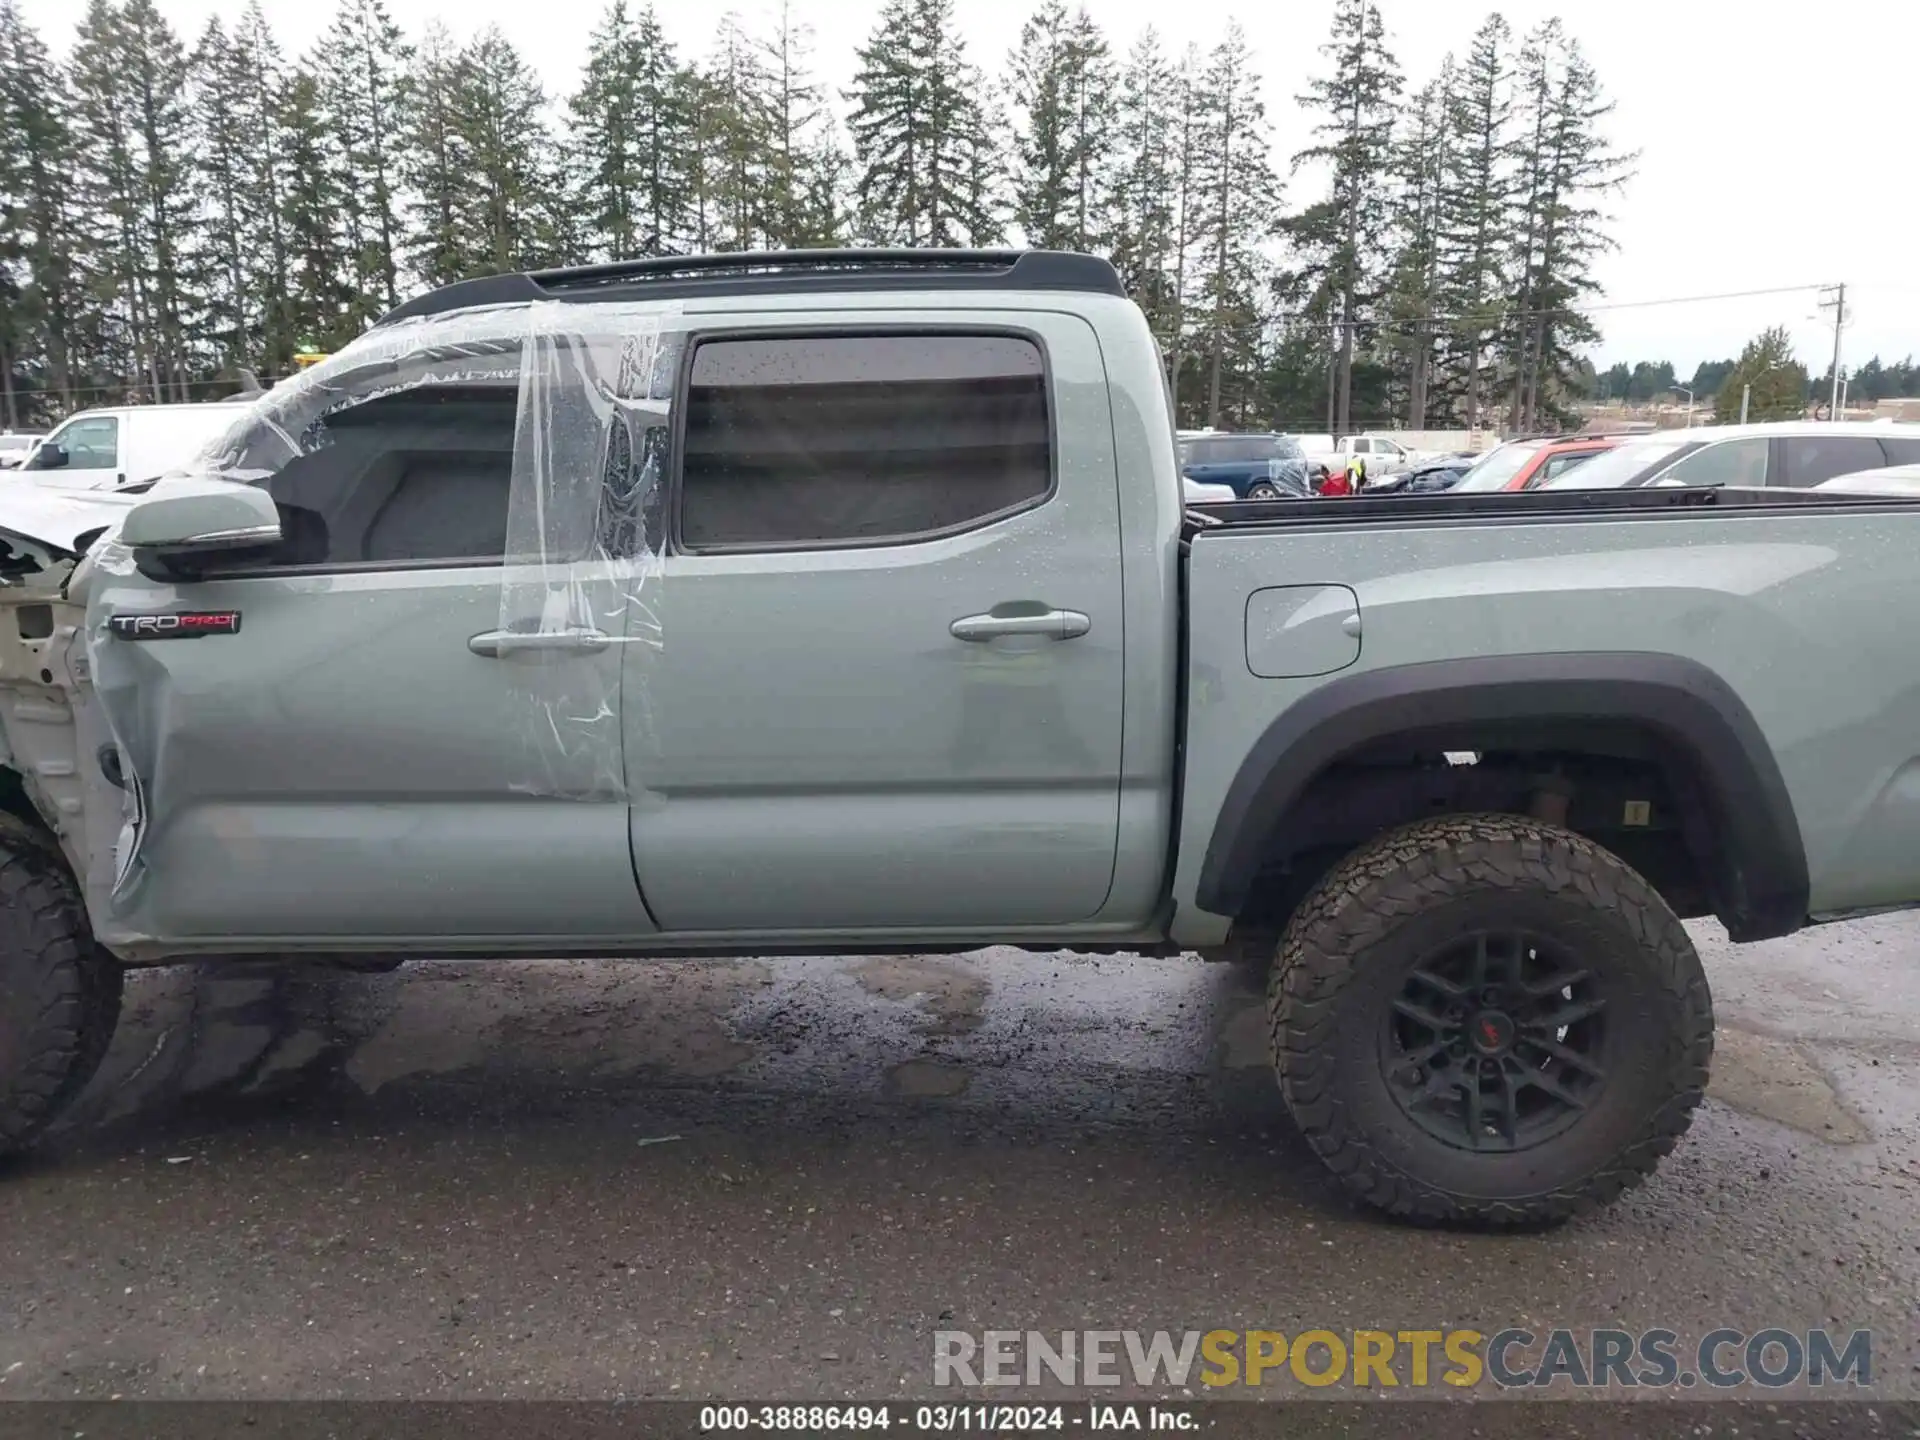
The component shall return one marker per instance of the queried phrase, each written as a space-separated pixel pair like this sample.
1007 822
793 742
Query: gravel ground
755 1179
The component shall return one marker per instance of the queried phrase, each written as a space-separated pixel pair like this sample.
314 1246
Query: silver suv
1798 454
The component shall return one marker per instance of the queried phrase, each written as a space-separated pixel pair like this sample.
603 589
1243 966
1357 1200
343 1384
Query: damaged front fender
58 761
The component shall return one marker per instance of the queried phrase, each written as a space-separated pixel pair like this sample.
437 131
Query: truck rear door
888 685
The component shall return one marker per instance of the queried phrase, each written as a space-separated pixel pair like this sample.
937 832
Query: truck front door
887 691
354 759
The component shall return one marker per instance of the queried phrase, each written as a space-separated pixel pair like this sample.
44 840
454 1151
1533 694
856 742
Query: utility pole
1838 304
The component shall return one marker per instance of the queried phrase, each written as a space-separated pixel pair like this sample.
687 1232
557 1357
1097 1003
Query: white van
107 449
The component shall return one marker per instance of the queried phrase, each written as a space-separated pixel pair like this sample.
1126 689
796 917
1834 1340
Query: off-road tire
59 992
1367 923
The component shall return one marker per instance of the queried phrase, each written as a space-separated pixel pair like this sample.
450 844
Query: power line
1692 299
1487 318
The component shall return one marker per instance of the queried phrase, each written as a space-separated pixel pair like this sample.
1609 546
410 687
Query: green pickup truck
846 601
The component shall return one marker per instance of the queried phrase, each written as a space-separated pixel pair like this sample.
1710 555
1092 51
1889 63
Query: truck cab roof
781 271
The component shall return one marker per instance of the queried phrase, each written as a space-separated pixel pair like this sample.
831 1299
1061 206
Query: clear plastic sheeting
584 536
529 437
481 348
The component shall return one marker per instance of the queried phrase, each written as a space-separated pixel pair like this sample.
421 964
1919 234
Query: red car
1527 464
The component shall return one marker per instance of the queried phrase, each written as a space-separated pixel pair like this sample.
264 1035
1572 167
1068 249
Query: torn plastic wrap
580 571
584 539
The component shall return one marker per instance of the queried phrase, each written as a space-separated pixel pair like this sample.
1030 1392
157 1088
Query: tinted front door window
91 444
420 475
1740 463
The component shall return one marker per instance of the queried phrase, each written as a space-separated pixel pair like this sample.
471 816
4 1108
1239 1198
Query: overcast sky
1777 144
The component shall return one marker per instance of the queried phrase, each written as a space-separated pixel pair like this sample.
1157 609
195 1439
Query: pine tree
1475 204
1776 383
162 220
695 98
1566 166
14 336
255 94
157 81
432 163
1533 85
984 140
602 159
222 151
670 164
363 64
925 169
104 182
1418 168
1189 130
1146 194
1339 236
320 291
631 149
805 168
129 80
36 217
1236 194
1062 85
736 139
504 154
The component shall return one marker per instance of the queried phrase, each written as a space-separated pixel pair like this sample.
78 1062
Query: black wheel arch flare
1759 876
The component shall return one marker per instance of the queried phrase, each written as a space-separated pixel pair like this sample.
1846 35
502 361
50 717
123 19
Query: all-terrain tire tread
67 987
1404 872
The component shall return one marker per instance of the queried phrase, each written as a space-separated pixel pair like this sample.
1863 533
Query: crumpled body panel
358 671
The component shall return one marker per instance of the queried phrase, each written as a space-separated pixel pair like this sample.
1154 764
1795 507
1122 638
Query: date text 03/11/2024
945 1419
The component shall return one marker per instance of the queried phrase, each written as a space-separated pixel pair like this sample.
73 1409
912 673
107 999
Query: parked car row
1272 466
1380 455
1425 477
1796 454
1250 467
1529 463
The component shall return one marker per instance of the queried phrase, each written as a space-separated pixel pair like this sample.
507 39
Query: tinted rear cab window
1811 459
825 440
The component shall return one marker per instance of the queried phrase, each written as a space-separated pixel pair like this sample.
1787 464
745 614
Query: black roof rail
775 271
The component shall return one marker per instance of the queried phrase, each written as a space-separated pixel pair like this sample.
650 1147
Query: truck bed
1789 614
1527 505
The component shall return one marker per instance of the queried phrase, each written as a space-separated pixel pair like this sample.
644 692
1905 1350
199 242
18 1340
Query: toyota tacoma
846 601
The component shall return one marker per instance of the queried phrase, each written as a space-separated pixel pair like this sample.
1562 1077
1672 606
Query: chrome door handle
1048 624
505 644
